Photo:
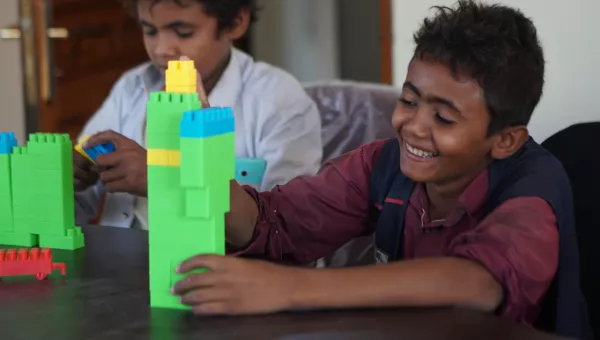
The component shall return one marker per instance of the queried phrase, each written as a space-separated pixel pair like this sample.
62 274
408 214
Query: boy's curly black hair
224 10
497 46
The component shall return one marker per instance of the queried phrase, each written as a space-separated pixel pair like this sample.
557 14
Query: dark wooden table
105 296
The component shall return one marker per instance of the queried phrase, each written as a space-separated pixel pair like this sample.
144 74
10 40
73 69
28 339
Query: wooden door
386 40
103 41
73 52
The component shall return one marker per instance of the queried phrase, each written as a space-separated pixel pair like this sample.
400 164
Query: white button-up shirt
275 120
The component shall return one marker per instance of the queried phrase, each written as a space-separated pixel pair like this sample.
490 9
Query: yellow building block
181 75
162 157
181 89
79 148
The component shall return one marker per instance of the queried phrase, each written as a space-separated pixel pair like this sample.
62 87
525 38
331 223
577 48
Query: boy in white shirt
276 121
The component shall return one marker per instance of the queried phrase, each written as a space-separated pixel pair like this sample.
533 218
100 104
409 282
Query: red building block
29 262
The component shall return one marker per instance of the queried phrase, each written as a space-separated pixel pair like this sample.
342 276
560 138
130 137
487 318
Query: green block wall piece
186 203
6 215
43 194
164 112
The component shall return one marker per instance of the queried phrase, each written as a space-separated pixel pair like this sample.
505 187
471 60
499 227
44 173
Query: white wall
569 32
299 36
12 113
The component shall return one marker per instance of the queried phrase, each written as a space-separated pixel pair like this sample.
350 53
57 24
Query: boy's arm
106 118
307 218
506 264
432 282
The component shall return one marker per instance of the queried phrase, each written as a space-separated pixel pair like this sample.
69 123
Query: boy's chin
418 173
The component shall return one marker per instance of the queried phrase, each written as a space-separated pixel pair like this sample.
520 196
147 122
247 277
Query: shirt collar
470 201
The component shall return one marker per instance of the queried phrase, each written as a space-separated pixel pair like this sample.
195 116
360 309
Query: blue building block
98 150
208 122
7 142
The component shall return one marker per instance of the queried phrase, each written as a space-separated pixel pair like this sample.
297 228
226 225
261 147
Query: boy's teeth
420 153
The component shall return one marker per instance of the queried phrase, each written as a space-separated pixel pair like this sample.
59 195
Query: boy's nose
417 126
166 49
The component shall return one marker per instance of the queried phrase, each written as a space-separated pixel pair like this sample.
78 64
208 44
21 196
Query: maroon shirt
310 217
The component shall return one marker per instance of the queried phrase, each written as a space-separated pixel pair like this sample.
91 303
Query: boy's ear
240 25
509 141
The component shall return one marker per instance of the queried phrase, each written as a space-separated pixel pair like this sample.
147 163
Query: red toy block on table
29 262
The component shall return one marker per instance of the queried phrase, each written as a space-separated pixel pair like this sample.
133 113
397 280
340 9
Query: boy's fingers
210 262
201 92
103 137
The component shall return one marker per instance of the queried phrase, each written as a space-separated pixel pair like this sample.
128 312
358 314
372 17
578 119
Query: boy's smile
442 122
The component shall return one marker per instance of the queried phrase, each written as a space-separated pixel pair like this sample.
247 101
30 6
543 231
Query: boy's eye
407 102
442 120
184 33
150 32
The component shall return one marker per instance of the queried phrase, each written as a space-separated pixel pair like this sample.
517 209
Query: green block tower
190 164
37 180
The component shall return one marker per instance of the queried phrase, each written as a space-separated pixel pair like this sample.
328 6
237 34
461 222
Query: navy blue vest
532 171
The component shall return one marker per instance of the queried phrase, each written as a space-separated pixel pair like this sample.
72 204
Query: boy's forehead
438 77
436 80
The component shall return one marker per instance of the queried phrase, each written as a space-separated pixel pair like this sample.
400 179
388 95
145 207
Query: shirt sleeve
518 244
289 136
311 217
107 117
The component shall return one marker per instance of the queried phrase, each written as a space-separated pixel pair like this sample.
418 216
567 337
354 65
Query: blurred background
59 58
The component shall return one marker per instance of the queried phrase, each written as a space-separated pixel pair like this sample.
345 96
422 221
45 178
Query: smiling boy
276 121
467 210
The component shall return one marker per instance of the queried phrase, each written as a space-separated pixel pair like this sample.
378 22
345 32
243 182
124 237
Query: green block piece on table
6 214
43 207
186 203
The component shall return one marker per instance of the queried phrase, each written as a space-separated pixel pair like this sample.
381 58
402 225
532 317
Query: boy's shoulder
133 79
260 78
532 171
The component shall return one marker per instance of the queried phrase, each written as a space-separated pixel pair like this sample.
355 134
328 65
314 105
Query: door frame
386 38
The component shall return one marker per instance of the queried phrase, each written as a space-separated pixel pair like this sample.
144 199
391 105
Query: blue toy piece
250 171
204 123
7 142
97 150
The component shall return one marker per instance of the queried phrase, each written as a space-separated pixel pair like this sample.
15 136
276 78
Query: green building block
41 179
164 112
186 202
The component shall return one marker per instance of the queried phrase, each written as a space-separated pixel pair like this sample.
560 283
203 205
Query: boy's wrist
306 290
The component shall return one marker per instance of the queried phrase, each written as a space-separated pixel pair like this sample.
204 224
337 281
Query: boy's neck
211 81
444 197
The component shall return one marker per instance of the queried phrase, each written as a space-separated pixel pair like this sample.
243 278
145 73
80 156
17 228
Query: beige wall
12 116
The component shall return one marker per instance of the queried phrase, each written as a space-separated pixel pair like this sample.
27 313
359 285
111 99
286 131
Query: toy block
6 215
164 113
42 194
92 153
182 89
190 166
181 74
7 142
29 262
208 122
205 161
163 157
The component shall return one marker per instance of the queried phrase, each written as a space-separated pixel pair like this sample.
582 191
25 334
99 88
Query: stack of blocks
190 165
36 192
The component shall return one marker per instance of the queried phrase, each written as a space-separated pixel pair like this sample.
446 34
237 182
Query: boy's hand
125 169
234 286
84 172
